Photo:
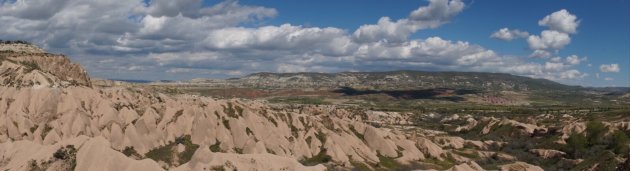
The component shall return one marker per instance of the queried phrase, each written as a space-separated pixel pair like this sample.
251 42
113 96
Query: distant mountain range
404 79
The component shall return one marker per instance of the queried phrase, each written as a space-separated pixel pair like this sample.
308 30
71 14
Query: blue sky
582 42
603 34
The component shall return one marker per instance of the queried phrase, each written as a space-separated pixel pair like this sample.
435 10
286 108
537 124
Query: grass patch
190 149
356 133
130 151
230 111
68 154
29 66
226 123
320 136
321 157
167 153
46 130
443 164
387 162
360 166
216 147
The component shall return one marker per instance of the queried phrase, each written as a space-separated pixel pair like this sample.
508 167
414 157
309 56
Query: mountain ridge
398 79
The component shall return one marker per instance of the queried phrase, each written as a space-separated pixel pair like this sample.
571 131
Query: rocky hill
394 80
24 65
52 119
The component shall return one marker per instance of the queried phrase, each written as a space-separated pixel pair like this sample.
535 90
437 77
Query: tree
576 145
595 132
620 142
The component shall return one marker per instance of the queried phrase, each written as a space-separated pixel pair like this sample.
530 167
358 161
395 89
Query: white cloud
184 40
437 13
561 21
575 60
561 24
609 79
540 54
609 68
552 66
548 40
508 35
572 74
556 59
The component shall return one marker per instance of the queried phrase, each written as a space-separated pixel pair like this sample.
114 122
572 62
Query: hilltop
23 65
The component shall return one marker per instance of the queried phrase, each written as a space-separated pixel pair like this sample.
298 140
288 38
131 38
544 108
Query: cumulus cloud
185 39
575 60
609 68
609 79
561 21
437 13
549 40
508 35
561 24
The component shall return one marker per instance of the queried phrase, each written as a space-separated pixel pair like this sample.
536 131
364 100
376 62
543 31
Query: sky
576 42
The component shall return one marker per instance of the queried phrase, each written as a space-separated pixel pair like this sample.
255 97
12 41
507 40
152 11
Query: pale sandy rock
467 166
429 148
96 154
128 115
450 141
520 166
547 153
203 159
376 141
17 155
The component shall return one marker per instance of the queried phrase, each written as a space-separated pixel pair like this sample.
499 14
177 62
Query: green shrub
576 146
166 153
356 133
321 157
620 142
595 132
68 154
29 66
216 147
130 151
387 162
230 111
226 123
190 149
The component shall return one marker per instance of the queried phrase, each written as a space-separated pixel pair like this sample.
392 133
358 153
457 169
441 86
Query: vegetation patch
356 133
360 166
216 147
230 111
387 162
190 149
29 66
46 130
68 154
131 152
168 154
226 123
321 157
321 136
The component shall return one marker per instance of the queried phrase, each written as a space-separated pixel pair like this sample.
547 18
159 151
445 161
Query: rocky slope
52 119
24 65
